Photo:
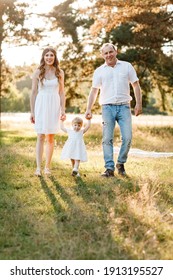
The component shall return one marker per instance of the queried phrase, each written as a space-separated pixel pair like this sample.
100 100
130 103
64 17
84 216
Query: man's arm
91 100
138 97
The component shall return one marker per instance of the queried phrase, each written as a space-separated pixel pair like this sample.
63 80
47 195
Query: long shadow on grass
61 190
87 230
107 186
92 234
120 221
60 212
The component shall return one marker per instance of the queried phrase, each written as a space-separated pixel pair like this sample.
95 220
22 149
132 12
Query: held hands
63 117
138 109
88 115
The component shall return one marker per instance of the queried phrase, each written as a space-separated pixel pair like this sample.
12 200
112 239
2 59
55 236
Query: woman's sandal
38 172
47 171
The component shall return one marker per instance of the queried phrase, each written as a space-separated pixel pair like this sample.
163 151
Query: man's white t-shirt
114 82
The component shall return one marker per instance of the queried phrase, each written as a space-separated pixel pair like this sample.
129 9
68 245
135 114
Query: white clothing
47 107
113 82
74 147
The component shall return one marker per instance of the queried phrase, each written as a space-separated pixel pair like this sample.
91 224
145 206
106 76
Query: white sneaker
78 175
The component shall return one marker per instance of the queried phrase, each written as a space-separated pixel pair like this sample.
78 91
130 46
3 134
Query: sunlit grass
61 217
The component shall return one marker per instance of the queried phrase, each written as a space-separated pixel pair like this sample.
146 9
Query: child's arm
62 126
87 126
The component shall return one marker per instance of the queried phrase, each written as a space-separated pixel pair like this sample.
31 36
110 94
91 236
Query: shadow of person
61 213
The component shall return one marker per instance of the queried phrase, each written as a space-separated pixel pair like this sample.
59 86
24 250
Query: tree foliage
75 62
150 19
141 30
12 28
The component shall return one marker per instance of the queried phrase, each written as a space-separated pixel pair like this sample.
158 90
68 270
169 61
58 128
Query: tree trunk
163 97
1 39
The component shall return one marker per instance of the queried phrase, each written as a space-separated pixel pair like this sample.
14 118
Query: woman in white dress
74 148
47 104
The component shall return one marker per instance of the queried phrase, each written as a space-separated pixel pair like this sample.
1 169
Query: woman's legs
39 150
49 149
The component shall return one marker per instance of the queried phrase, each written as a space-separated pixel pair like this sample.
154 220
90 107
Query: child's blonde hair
77 120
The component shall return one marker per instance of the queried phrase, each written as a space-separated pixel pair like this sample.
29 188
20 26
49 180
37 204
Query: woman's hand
32 118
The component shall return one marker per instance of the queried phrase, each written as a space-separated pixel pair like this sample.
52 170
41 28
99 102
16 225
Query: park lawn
61 217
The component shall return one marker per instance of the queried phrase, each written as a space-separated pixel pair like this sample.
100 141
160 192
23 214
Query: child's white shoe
74 172
78 175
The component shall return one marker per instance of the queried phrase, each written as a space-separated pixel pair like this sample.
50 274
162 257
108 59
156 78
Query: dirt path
142 120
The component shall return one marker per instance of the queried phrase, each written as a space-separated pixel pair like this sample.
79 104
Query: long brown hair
55 64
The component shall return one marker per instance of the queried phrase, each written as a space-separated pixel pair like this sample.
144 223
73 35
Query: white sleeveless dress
47 107
74 147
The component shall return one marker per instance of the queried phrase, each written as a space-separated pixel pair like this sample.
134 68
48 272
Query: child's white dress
74 147
47 107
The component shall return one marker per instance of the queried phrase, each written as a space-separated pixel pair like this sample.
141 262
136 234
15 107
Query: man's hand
138 109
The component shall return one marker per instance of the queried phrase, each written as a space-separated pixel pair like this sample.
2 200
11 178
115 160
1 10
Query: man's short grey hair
108 45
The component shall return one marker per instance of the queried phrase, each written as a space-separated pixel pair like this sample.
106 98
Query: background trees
13 31
142 31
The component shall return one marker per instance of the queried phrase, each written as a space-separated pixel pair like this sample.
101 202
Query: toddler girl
74 147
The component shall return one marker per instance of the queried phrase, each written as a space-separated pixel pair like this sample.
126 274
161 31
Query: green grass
91 217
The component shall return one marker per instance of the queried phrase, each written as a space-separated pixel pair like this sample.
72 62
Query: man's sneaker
108 173
120 168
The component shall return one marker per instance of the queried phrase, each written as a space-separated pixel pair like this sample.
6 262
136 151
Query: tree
75 28
12 28
144 15
141 30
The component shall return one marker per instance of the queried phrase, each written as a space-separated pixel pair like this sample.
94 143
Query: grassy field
91 217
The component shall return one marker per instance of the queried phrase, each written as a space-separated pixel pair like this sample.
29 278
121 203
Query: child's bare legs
75 164
49 151
39 152
72 162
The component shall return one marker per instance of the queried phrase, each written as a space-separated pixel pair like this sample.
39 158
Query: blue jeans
110 115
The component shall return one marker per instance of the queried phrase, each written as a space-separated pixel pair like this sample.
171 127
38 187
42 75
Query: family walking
47 103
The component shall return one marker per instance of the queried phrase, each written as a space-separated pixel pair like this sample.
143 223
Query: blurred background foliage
141 30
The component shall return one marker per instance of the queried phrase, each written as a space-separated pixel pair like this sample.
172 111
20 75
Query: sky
32 54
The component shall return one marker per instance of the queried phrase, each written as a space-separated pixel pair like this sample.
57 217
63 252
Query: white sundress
47 107
74 147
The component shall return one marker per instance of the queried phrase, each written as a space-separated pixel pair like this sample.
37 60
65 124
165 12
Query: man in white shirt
113 79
